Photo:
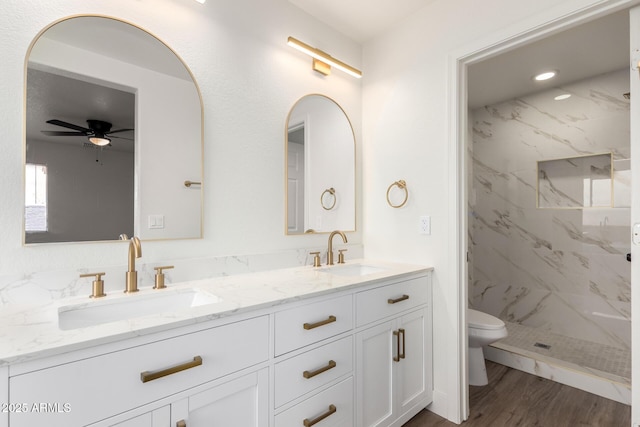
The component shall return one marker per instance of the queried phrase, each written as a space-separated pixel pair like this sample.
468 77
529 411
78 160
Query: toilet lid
479 320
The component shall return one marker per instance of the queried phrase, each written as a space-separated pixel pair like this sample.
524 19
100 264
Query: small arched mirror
320 176
113 131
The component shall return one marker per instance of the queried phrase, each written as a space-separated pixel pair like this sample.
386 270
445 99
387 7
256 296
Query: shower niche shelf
576 182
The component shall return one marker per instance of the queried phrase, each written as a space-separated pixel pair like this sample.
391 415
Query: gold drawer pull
309 423
402 298
308 326
181 423
147 376
312 374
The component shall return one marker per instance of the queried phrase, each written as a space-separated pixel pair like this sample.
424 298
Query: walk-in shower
549 214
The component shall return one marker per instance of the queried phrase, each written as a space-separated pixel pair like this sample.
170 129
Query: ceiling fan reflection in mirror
98 132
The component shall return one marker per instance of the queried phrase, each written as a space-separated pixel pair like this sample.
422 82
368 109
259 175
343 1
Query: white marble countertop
30 332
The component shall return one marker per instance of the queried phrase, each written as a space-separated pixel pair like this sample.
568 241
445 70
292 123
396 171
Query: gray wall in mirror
98 68
320 176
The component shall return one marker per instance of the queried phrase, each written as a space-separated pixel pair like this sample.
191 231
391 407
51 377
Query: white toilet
484 329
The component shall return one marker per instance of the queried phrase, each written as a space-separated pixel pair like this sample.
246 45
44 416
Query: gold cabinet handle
181 423
308 423
147 376
401 354
402 298
332 364
308 326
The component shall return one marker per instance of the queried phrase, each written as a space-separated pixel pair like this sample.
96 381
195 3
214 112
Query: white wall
409 133
249 79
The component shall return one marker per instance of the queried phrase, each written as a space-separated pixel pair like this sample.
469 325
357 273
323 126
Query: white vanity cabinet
313 381
89 390
393 353
358 355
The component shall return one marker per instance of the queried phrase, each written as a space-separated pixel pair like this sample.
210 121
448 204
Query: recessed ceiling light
562 97
545 76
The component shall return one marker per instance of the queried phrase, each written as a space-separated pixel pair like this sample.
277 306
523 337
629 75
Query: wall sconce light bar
322 60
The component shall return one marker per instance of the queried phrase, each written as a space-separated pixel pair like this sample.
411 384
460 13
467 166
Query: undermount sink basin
124 307
353 270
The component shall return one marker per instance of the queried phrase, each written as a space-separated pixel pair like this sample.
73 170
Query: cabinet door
158 418
242 402
411 379
375 350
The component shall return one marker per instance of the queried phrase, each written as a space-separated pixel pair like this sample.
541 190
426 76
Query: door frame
538 27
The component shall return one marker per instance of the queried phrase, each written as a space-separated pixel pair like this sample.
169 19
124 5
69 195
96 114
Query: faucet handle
341 256
316 259
98 284
160 276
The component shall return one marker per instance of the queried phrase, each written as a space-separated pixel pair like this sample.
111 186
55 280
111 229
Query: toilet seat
479 320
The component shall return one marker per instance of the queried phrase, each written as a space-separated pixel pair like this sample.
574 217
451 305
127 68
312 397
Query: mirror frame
286 169
137 221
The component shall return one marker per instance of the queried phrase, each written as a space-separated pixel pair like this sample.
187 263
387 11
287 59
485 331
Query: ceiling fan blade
119 130
62 133
118 137
69 125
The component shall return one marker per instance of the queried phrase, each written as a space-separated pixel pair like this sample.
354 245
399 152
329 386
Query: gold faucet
330 249
135 251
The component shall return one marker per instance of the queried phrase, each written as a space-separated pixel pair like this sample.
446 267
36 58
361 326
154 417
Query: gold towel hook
401 184
332 192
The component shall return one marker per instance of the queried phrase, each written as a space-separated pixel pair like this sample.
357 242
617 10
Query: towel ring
401 184
332 192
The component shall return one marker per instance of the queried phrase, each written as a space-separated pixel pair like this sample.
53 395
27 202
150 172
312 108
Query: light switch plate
156 221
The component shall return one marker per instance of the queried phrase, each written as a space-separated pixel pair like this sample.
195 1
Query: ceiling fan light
99 140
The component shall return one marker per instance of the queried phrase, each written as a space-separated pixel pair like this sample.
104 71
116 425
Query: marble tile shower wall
42 287
559 269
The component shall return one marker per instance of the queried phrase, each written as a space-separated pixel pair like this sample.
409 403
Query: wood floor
515 398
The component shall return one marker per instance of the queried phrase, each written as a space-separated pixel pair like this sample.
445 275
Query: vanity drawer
389 300
308 371
336 403
99 387
307 324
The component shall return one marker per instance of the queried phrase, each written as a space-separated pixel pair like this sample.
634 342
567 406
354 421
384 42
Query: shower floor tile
606 361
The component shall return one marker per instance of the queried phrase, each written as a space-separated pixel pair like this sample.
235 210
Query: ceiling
585 51
588 50
61 95
361 20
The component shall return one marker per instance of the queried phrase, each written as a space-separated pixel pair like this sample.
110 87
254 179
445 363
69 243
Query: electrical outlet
425 224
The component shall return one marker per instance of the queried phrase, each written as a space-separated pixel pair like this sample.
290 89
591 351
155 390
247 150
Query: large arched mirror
320 176
113 136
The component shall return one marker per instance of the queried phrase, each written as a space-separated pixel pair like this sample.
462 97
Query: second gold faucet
135 251
330 248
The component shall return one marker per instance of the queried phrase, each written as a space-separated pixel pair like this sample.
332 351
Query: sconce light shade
323 61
